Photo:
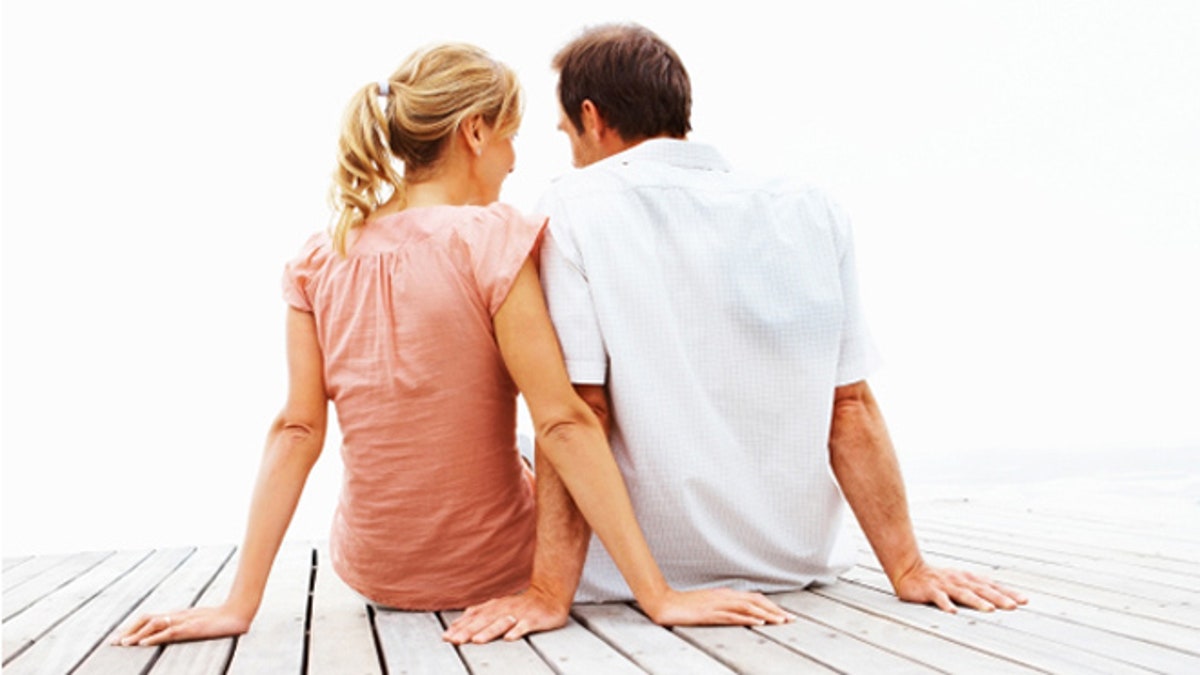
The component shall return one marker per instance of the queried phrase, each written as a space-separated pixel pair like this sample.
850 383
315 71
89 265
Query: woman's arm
573 440
293 445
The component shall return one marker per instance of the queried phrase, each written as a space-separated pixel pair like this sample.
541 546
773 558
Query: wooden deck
1105 597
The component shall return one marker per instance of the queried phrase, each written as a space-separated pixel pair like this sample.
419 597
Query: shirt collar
676 152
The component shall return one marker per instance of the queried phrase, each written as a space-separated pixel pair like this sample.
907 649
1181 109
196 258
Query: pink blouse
436 508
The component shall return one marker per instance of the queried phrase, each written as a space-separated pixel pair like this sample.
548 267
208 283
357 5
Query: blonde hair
423 103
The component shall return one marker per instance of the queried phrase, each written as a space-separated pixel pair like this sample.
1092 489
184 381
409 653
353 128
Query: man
712 321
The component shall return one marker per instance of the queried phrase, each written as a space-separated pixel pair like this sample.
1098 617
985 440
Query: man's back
721 312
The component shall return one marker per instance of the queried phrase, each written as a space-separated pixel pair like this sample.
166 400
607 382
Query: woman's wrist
653 596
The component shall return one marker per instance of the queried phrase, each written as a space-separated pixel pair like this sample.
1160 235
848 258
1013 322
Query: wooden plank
1162 633
34 567
1167 583
276 641
1052 545
1113 597
179 590
500 657
204 657
1128 595
967 629
44 579
70 641
411 643
839 650
745 651
896 637
1176 524
1076 636
1123 598
1149 537
654 648
341 639
13 562
574 650
21 631
1110 599
1104 579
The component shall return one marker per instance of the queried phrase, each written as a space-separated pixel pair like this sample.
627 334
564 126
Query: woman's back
436 507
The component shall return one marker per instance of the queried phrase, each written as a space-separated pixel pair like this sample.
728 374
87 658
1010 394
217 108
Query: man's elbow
596 398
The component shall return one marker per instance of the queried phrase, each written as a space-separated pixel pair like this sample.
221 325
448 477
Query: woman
421 317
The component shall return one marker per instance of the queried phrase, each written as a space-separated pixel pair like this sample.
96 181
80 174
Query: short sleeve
857 354
498 247
570 303
299 272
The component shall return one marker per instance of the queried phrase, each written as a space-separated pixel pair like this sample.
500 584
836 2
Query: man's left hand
948 587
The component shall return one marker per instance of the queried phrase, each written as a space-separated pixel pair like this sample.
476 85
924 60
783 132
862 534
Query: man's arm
562 532
562 543
865 464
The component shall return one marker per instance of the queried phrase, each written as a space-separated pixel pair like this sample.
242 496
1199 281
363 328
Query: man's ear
593 123
601 134
472 130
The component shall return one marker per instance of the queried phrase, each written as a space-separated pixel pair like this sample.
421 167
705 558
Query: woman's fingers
197 623
145 628
169 633
719 606
758 606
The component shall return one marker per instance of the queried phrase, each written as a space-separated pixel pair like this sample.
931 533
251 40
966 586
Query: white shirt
721 311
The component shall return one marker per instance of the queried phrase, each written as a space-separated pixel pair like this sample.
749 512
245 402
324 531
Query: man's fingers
480 628
518 631
465 628
943 601
495 629
1000 596
1016 596
969 598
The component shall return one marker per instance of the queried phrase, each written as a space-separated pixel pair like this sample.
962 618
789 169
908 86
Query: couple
705 323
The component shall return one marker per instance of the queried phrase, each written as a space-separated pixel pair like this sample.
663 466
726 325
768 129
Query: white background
1024 179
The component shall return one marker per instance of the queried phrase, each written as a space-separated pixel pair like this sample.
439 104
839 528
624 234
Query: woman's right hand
715 606
197 623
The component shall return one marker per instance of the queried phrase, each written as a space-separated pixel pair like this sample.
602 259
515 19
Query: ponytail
365 176
424 101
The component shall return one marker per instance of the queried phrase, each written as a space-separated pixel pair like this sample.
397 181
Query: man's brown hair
636 81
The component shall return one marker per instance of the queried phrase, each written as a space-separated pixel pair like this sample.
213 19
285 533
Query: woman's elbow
298 437
565 431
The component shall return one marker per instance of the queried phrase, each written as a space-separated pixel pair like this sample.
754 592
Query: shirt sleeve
857 355
569 300
299 272
500 245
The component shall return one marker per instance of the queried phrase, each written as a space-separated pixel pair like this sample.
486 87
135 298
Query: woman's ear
473 131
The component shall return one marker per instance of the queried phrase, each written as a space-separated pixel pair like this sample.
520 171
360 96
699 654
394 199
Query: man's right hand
512 618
